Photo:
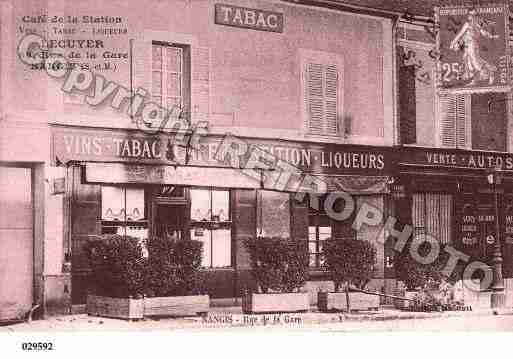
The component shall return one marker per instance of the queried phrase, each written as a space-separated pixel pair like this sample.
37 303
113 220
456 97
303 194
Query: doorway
171 212
16 242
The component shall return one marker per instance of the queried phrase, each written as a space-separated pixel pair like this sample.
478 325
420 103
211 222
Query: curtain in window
432 215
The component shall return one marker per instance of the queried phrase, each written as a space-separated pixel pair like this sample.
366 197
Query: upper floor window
170 68
322 83
454 120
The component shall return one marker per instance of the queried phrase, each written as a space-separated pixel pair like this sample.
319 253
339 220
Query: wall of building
255 76
254 87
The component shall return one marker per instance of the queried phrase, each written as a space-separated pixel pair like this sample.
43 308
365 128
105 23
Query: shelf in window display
210 224
127 223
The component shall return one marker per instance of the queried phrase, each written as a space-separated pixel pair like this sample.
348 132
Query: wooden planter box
405 304
177 306
328 302
275 303
123 308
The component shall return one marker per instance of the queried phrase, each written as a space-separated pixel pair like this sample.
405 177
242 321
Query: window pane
324 233
156 83
113 199
203 235
312 248
312 234
312 260
174 59
221 205
221 248
156 57
174 87
200 205
135 203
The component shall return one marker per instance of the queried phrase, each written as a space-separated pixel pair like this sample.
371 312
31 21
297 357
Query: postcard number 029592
39 346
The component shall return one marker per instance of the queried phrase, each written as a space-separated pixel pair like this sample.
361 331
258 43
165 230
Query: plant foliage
118 266
349 261
277 264
174 267
121 268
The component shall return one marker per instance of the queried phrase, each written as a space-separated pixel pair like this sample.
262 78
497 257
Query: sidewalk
231 317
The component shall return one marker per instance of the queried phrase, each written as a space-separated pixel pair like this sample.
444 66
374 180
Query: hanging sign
473 47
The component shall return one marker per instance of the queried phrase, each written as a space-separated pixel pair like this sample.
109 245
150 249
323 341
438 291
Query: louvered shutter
331 100
461 121
453 120
314 98
200 87
322 93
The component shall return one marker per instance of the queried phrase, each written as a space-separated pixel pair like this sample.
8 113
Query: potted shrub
279 267
118 270
351 266
421 281
173 283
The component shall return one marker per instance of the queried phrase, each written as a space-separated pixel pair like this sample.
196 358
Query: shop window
211 224
319 230
170 77
432 215
322 87
123 211
454 123
321 227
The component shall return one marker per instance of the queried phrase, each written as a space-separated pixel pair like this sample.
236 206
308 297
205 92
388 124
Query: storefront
131 183
449 194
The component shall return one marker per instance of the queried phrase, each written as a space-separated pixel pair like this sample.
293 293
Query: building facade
321 87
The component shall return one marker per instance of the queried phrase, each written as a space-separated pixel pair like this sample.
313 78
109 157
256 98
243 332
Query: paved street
433 322
486 323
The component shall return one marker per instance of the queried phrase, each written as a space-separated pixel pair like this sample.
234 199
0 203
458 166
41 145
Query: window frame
185 75
468 120
211 225
143 222
325 59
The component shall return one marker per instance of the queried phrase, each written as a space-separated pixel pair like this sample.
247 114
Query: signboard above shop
455 159
246 18
473 48
131 146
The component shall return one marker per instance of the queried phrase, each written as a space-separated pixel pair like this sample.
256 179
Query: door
171 220
16 242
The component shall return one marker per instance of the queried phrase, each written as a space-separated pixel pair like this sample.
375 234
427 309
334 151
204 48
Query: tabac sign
473 47
247 18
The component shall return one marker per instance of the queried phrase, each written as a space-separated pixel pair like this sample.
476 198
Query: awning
358 185
123 173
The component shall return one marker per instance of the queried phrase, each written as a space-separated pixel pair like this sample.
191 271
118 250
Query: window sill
218 269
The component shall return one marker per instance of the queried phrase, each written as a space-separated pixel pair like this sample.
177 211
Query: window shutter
407 105
200 87
453 120
141 65
331 100
322 93
461 122
314 98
